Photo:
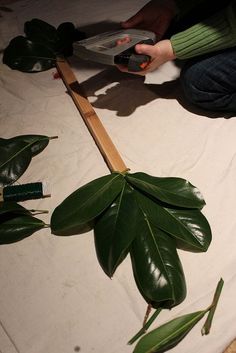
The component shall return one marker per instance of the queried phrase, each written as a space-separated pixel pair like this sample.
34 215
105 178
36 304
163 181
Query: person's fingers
158 27
133 21
145 49
123 40
122 68
161 27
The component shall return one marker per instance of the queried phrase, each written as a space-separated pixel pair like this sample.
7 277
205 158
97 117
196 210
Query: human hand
155 16
159 53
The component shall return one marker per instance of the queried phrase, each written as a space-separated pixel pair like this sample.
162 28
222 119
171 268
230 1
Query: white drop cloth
54 297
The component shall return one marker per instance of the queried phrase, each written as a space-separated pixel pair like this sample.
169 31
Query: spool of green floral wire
24 192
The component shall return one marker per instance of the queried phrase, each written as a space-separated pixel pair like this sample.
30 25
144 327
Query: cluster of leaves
16 154
16 222
148 217
41 45
137 214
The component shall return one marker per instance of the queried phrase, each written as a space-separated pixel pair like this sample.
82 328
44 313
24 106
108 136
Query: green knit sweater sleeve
215 33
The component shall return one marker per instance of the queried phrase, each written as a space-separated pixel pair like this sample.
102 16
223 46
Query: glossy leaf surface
174 191
16 154
157 269
156 266
18 228
9 210
168 335
37 142
115 230
42 32
68 34
27 56
129 218
192 232
77 212
15 157
58 40
188 226
42 44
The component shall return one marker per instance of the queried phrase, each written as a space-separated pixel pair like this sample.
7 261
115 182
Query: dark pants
209 82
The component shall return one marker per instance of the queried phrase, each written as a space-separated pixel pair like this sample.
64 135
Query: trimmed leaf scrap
168 335
171 333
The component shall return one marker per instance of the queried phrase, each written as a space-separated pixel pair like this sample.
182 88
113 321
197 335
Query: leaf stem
53 137
145 327
148 311
207 325
126 171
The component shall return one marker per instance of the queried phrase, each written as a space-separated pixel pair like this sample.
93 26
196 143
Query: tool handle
134 62
97 130
138 62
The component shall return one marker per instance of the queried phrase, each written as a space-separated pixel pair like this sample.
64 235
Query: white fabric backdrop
54 297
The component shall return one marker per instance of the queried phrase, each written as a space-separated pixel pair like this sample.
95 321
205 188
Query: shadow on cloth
124 93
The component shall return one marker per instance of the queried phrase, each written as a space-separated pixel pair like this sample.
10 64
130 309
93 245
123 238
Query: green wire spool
24 192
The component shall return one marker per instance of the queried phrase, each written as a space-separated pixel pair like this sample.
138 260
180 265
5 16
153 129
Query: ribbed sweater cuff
216 33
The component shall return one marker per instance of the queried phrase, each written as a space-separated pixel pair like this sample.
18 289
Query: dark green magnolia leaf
168 335
188 226
10 207
43 43
78 211
173 191
115 230
10 210
15 156
58 40
37 142
27 56
157 269
65 33
68 34
193 232
42 32
18 228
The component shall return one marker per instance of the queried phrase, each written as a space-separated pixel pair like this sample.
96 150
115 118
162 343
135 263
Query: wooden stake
97 130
